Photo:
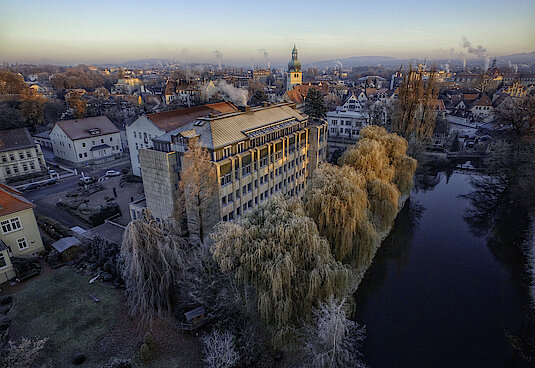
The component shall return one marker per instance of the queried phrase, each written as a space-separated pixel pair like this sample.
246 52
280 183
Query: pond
437 294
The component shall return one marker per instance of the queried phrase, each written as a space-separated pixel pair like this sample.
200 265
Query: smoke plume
478 51
237 96
219 56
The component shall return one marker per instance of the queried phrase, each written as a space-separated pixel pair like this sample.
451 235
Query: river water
437 294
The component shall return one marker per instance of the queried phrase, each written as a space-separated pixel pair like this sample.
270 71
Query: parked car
31 186
112 173
86 180
50 182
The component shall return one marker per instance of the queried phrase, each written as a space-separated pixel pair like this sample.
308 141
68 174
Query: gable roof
484 100
79 128
224 130
13 139
12 201
170 120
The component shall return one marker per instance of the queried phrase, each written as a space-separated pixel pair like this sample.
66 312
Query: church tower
295 75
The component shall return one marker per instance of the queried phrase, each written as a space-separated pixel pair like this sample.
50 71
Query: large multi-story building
82 141
19 234
257 153
20 156
141 132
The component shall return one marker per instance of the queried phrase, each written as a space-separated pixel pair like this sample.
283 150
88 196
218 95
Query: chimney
245 108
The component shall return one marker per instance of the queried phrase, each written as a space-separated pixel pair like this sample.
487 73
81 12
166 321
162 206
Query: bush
119 363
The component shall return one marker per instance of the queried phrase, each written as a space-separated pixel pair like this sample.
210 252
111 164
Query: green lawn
58 306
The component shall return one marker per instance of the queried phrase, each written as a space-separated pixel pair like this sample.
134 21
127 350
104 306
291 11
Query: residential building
20 156
79 142
295 75
19 233
257 153
43 139
345 123
148 126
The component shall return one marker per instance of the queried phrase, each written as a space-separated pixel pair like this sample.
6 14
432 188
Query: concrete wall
160 181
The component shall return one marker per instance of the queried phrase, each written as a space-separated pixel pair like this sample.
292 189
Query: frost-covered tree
370 159
153 257
383 197
199 185
336 199
277 250
23 354
332 340
219 350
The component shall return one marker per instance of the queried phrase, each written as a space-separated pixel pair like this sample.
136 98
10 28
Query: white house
147 127
83 141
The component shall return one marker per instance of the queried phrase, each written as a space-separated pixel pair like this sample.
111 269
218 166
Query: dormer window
94 131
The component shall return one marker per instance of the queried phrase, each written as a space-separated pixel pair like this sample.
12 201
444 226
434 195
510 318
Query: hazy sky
54 31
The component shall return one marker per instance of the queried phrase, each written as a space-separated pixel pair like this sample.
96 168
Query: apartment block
257 153
20 156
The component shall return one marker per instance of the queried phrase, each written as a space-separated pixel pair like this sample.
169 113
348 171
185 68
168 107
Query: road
65 185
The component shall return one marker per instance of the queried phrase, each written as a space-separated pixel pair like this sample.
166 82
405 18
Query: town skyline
252 35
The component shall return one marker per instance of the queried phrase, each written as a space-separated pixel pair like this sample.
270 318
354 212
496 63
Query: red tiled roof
12 201
170 120
79 128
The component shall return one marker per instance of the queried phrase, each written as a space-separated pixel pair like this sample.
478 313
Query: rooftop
89 127
12 201
170 120
13 139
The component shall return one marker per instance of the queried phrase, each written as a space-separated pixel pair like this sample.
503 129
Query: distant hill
357 61
526 57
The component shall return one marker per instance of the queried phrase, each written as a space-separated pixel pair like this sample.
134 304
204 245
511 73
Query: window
16 169
244 190
102 140
4 158
111 139
92 143
22 243
238 211
10 225
80 155
227 151
25 167
85 154
249 187
28 154
237 194
2 261
32 165
83 144
230 198
12 157
21 155
135 135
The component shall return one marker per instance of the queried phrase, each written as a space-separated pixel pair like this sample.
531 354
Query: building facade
20 156
19 233
257 153
82 141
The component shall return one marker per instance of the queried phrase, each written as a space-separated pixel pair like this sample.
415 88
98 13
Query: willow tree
199 186
383 198
415 115
369 157
153 259
277 250
336 199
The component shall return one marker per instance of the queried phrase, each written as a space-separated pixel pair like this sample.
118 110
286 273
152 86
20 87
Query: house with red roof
19 233
143 130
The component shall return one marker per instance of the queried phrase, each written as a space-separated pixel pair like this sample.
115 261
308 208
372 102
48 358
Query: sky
253 32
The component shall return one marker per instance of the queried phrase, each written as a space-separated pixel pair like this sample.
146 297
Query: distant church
295 75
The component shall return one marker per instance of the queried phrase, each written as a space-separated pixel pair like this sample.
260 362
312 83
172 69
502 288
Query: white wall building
83 141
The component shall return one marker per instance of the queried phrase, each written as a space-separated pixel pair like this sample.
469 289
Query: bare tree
332 340
519 114
23 354
153 257
219 350
199 185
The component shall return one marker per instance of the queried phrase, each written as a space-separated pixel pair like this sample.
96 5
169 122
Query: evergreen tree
257 98
314 104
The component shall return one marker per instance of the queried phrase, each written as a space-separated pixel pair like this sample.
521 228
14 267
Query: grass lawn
58 306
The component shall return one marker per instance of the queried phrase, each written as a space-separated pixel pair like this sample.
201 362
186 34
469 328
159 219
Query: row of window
346 131
94 143
15 168
22 155
140 135
263 196
10 225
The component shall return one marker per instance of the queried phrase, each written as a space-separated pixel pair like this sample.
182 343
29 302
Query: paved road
65 185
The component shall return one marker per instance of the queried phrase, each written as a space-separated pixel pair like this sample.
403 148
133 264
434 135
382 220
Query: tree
332 340
519 114
199 185
24 354
153 258
314 104
257 98
78 105
32 108
219 350
415 116
277 250
336 199
11 83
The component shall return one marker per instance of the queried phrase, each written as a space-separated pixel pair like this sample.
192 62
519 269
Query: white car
112 173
